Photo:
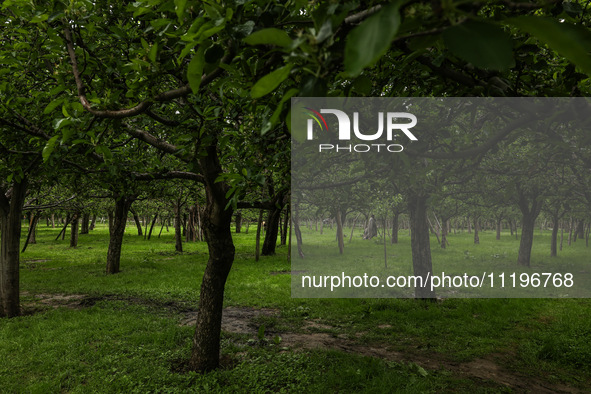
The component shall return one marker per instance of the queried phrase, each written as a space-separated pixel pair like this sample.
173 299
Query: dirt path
243 321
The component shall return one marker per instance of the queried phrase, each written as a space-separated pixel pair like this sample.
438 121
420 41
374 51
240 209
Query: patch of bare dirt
60 300
243 321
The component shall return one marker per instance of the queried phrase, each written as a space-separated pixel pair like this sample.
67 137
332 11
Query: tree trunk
499 221
419 240
238 222
152 226
122 205
217 221
10 225
340 241
273 219
52 220
92 223
85 224
394 239
257 251
530 213
177 227
74 230
476 229
110 215
580 230
554 240
138 223
285 226
443 237
68 220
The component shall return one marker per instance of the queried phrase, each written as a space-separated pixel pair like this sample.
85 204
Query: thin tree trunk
476 228
257 251
152 226
561 236
62 233
285 225
419 240
177 227
74 230
554 240
138 223
499 221
238 222
31 234
340 240
92 223
394 239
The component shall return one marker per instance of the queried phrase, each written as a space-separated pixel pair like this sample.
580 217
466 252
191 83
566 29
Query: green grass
126 336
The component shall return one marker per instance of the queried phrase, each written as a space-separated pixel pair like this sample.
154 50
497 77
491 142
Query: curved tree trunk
217 221
419 240
138 223
10 224
122 205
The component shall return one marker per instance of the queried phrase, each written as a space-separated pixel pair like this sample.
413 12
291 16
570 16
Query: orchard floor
84 331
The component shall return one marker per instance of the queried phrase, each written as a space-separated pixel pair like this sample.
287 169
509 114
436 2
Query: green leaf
153 53
179 8
371 39
49 147
269 82
53 105
483 44
571 41
195 69
270 36
104 151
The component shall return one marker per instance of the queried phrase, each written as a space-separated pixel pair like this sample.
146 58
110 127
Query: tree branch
143 106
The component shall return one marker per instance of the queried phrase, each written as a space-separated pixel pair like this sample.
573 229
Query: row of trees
114 96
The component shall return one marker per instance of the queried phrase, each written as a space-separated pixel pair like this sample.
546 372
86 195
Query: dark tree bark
554 241
217 221
177 227
92 222
444 237
238 222
85 223
273 219
580 232
138 223
530 212
110 215
419 240
394 239
10 225
499 221
285 226
68 220
122 205
74 230
31 234
257 251
340 240
298 232
476 229
152 225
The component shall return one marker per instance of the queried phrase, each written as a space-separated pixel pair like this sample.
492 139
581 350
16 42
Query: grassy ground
83 331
